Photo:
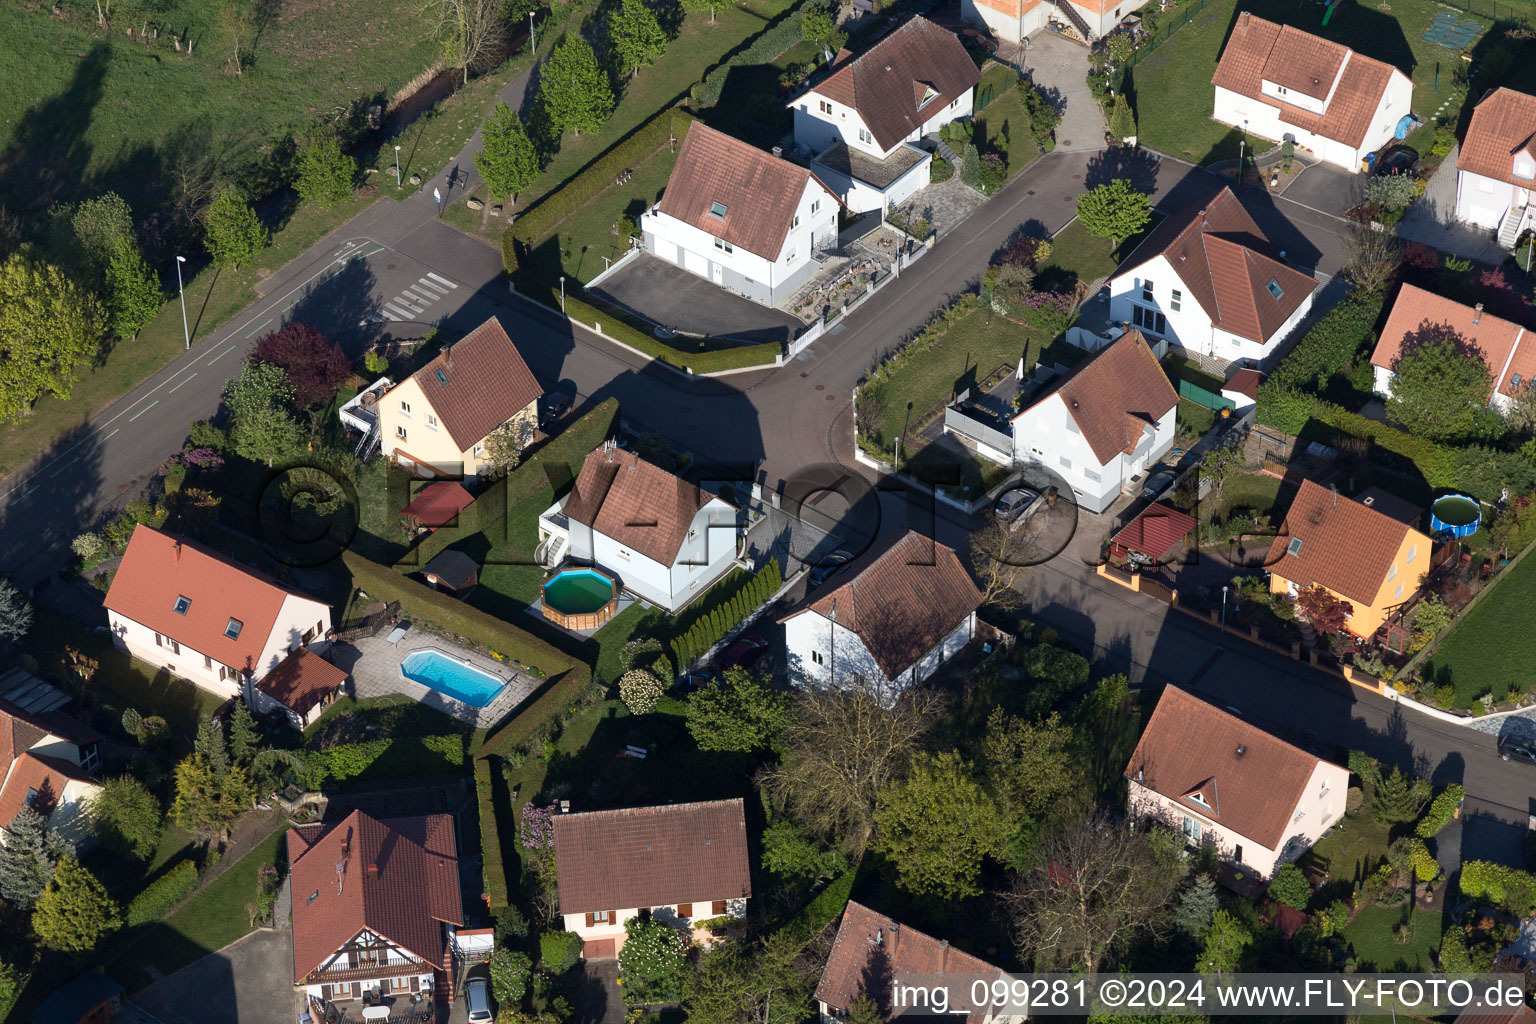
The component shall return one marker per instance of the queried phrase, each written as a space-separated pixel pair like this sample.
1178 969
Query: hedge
770 42
1292 411
1454 957
392 757
708 627
1439 814
157 898
1331 343
1507 888
490 839
827 907
421 601
536 714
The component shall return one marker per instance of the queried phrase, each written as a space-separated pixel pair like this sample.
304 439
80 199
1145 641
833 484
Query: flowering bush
640 691
191 458
993 173
652 963
538 827
1051 312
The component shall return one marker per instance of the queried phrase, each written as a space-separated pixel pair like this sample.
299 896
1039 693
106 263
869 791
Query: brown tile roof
1246 382
1155 530
46 775
760 192
652 856
301 680
1250 781
1345 545
158 568
901 597
636 503
438 503
1226 262
484 382
1503 124
415 887
871 947
1114 395
17 733
1258 50
879 84
1507 348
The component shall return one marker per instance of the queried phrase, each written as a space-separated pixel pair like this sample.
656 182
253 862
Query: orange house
1367 551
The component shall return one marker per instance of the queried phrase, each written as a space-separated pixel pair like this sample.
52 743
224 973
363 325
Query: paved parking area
250 980
670 296
1327 189
1059 66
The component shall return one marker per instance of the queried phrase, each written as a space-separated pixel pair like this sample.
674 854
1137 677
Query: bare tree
472 32
1001 555
1096 883
1371 258
844 746
238 26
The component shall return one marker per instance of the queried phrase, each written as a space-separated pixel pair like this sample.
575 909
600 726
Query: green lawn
1258 491
1371 936
1194 417
1078 256
1355 848
1478 656
1003 124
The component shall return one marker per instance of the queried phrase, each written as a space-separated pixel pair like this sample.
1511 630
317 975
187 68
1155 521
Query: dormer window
233 629
1197 798
182 604
1514 383
1274 288
1294 547
929 95
717 210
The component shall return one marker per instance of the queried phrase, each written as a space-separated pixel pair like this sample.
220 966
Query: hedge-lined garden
490 838
710 625
157 899
392 758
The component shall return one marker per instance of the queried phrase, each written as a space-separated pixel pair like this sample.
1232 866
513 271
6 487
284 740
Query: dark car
556 404
744 652
1013 503
1158 482
1518 750
827 565
1398 160
477 1000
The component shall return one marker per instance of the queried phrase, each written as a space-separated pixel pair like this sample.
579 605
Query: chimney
176 551
1241 750
373 872
1242 22
1478 314
448 358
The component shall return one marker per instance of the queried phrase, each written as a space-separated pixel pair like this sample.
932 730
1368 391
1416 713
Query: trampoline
1445 29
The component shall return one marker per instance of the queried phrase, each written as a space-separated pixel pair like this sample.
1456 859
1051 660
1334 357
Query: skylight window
442 378
1294 547
717 210
1274 288
233 629
183 602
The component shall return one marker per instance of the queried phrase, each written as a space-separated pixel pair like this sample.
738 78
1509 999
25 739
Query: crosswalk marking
389 316
401 300
441 280
435 289
423 296
395 308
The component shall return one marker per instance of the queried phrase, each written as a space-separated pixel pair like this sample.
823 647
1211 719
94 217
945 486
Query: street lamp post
186 332
397 166
832 618
1223 609
533 44
562 293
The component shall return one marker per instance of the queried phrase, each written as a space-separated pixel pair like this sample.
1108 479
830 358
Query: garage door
665 250
695 262
599 949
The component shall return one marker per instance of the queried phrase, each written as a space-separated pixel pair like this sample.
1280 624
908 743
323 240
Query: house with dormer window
1208 281
1222 782
864 120
1496 166
179 606
1283 84
749 221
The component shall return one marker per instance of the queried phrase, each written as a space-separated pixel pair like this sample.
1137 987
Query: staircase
1509 227
550 551
947 153
369 444
1075 19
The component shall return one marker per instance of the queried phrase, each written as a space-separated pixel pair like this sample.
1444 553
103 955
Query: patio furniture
375 1013
396 635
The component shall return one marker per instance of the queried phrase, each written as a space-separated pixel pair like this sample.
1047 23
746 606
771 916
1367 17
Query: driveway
1326 189
670 296
1432 220
249 980
599 1001
1060 67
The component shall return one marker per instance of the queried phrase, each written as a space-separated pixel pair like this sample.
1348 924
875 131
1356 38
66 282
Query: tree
97 228
325 172
1030 766
131 292
1398 798
471 31
843 748
1326 613
640 691
818 25
1122 123
243 738
27 858
1430 617
1439 384
970 166
510 971
1392 192
1114 210
1225 944
937 825
1095 885
49 327
210 745
1196 905
315 366
10 983
1371 259
260 427
1001 556
15 613
233 234
766 983
1043 115
125 817
1290 886
238 28
504 448
738 712
206 801
790 853
574 94
506 159
635 38
652 963
74 913
705 5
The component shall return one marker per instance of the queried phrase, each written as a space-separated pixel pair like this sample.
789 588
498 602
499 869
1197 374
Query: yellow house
1363 550
435 423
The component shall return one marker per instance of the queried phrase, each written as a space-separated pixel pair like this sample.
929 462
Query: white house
1496 167
376 910
666 540
176 605
1259 801
1208 280
49 759
301 687
1281 83
681 863
1014 19
864 119
746 220
1504 346
890 617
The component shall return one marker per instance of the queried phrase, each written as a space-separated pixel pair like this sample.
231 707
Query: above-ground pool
1455 514
463 682
579 598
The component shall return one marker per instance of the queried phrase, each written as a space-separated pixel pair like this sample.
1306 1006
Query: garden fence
1489 9
1201 396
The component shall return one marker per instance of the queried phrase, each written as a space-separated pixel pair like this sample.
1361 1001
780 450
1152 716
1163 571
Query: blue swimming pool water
464 683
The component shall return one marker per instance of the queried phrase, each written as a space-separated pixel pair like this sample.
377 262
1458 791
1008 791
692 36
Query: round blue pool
1456 514
448 675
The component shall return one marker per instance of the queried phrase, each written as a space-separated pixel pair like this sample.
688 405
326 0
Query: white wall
139 641
704 556
1007 24
821 121
1103 24
1263 119
613 928
299 615
69 818
1483 201
809 638
861 196
1047 434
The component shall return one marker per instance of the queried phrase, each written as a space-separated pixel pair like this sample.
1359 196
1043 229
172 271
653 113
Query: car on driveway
1518 750
477 1001
1158 482
744 652
829 564
1013 503
554 405
1398 160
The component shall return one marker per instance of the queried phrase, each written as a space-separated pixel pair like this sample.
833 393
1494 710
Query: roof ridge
1206 252
689 805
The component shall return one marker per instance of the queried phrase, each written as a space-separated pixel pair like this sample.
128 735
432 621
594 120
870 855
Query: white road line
421 295
258 327
435 289
221 355
61 465
386 314
390 307
144 410
104 440
401 300
441 280
189 377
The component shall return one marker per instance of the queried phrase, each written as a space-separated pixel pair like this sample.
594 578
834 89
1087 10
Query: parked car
1398 160
1013 503
1517 750
828 565
554 405
744 652
477 999
1158 482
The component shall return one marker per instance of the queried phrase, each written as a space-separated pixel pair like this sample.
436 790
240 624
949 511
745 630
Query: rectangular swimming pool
447 675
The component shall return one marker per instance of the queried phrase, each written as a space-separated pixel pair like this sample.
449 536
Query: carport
1151 537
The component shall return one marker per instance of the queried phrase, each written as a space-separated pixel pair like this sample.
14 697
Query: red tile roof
887 82
1249 780
1155 530
760 192
17 733
301 681
158 568
1114 395
438 503
635 502
36 772
1226 262
414 889
1245 382
652 856
477 384
1342 544
872 946
1507 347
1258 50
1503 124
901 597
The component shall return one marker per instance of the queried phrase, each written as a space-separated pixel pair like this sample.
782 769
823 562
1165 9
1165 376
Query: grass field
1376 947
1082 257
1477 656
1004 124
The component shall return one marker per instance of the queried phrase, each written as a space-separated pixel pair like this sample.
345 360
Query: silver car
477 998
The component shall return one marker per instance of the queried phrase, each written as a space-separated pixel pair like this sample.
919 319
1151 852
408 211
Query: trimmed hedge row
770 42
1440 810
421 601
393 757
1507 888
536 714
157 898
709 628
490 839
827 907
1332 342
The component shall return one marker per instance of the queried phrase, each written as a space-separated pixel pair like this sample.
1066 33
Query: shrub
1392 192
394 757
1290 887
1425 868
1453 951
375 362
559 951
495 871
940 170
653 966
1440 810
993 173
1330 344
157 898
325 173
89 547
510 972
768 44
1505 887
970 166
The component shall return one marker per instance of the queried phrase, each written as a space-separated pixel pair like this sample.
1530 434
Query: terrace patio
374 664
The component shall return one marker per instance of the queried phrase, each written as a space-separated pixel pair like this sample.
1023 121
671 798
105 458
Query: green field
1478 656
1003 123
